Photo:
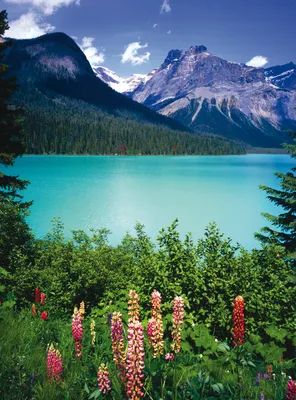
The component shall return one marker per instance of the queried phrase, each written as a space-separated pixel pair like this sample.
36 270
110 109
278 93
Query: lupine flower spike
103 379
238 321
37 295
77 331
93 332
155 326
135 361
43 298
119 356
44 316
178 317
291 390
133 306
169 356
54 364
82 310
34 312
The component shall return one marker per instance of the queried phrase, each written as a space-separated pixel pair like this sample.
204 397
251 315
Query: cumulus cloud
94 55
166 7
48 7
155 25
131 54
29 26
257 61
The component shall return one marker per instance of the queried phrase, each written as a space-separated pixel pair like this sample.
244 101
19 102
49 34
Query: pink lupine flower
133 306
43 298
291 390
77 331
169 356
238 321
155 326
178 317
135 361
103 379
54 364
37 295
119 355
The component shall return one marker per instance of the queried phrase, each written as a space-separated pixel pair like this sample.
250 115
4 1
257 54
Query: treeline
68 126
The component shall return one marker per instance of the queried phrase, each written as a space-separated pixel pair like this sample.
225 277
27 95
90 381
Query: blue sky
134 36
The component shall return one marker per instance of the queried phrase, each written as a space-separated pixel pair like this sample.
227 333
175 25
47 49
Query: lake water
115 192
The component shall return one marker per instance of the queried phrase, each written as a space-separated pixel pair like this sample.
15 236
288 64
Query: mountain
283 76
209 94
70 110
122 85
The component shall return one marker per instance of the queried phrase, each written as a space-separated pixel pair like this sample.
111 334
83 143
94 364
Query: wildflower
54 364
93 332
82 310
77 331
273 376
238 321
267 376
43 297
37 295
135 361
133 306
262 396
178 316
34 312
169 356
103 379
44 316
155 326
119 356
269 369
259 376
291 390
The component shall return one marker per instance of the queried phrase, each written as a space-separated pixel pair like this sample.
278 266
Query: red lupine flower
103 379
135 361
37 295
155 326
291 390
54 364
77 331
43 298
269 369
119 355
44 316
133 306
238 321
34 312
178 317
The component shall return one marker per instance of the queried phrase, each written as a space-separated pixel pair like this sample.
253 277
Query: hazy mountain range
209 94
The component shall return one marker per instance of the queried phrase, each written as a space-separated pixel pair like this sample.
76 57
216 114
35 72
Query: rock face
212 95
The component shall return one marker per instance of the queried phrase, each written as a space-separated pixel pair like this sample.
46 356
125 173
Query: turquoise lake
115 192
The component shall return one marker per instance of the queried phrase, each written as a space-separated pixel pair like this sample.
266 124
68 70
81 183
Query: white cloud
257 61
166 7
94 55
29 26
131 54
48 7
155 25
169 32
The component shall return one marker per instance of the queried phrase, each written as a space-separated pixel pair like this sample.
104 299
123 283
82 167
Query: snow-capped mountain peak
122 85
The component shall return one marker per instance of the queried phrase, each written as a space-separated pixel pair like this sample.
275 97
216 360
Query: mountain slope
70 110
209 94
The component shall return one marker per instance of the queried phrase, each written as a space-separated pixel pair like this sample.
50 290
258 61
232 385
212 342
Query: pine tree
284 233
11 145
